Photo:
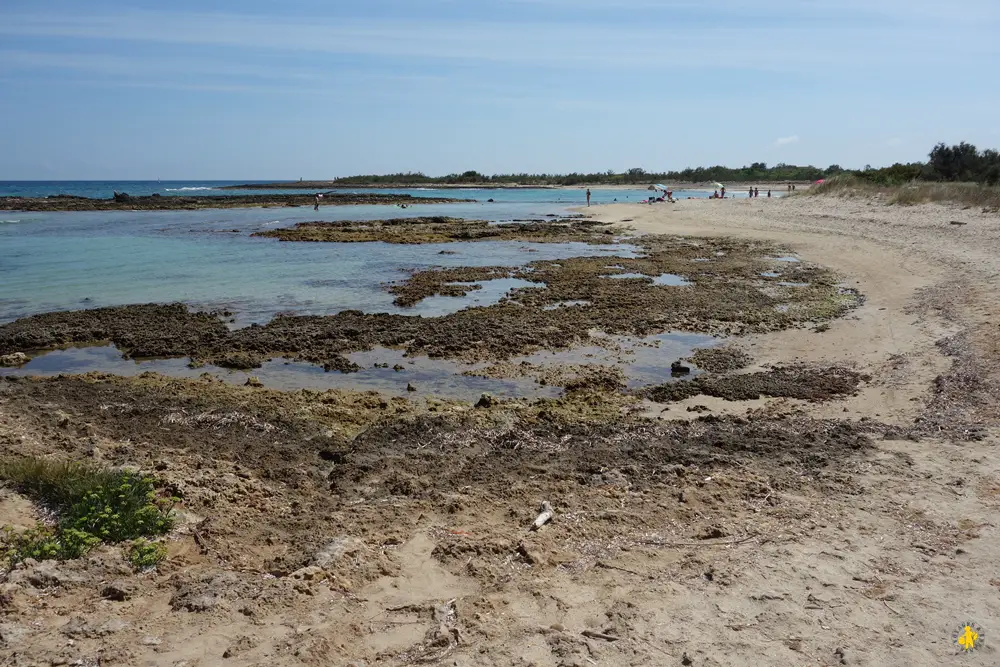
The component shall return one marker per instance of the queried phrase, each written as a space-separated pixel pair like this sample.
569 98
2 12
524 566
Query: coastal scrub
91 505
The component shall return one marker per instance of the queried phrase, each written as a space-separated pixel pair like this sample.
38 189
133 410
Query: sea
206 258
59 261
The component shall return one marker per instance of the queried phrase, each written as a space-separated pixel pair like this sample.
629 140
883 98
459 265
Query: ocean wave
8 222
187 189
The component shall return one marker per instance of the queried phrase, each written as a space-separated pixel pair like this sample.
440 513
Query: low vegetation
90 505
757 172
917 192
143 554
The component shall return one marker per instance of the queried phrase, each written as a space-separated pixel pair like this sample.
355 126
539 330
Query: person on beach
723 192
768 194
756 192
316 205
715 195
588 196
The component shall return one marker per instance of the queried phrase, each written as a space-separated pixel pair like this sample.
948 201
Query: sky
95 89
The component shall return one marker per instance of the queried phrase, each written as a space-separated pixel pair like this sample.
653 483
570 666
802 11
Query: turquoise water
70 260
65 261
207 259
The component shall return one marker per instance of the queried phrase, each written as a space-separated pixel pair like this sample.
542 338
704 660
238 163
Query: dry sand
871 561
925 279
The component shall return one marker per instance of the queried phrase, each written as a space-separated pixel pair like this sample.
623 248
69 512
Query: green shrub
93 505
125 509
44 543
142 554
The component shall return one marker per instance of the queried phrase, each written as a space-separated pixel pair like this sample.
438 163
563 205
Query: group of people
751 193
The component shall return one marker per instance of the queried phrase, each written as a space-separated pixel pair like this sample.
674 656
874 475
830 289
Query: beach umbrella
718 185
657 187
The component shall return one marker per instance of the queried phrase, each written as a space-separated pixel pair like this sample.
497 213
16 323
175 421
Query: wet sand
324 527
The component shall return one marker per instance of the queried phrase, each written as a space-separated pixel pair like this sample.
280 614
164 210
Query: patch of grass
142 554
965 194
92 505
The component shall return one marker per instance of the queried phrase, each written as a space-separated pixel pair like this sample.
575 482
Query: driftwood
545 516
590 634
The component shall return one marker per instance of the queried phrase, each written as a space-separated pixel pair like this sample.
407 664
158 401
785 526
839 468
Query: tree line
962 162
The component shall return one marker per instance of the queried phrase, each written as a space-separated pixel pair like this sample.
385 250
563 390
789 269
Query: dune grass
92 505
908 194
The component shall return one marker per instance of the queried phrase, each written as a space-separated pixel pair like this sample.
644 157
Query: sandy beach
823 495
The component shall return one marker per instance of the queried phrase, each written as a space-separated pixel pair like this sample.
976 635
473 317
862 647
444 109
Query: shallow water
430 376
665 279
67 261
670 280
490 292
646 361
566 304
207 259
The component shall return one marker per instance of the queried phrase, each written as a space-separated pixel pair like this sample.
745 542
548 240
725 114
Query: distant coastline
159 203
324 186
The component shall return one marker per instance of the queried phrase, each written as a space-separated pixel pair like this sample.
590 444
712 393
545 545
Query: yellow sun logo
968 637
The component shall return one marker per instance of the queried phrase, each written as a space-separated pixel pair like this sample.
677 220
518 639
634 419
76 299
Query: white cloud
784 141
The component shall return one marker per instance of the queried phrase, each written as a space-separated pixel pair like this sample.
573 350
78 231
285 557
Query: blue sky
94 89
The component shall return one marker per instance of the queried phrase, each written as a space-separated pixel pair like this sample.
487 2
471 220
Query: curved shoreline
789 528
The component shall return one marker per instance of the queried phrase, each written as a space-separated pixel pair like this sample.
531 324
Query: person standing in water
588 196
316 205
